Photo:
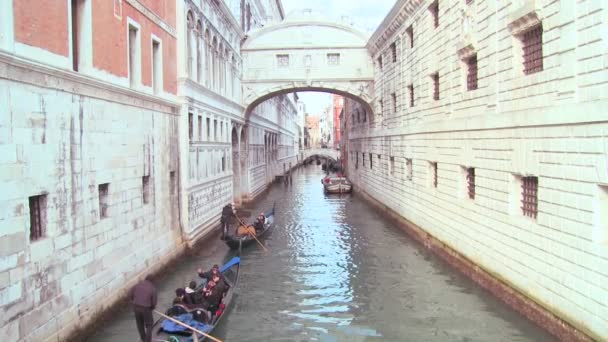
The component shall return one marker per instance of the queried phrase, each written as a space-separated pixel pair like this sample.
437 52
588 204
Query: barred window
410 35
434 170
410 169
394 98
411 91
529 196
356 160
472 73
533 50
103 190
145 184
391 166
435 77
371 156
333 59
380 62
471 182
37 217
434 8
283 61
190 126
394 52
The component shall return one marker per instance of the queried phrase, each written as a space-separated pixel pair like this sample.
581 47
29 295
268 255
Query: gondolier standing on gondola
228 215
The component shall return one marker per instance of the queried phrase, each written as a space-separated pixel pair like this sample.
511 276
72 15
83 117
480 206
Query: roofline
394 19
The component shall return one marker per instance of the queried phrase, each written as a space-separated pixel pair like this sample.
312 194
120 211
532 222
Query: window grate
394 100
436 86
472 73
190 126
394 52
529 200
410 169
471 182
434 166
37 217
533 50
435 12
411 91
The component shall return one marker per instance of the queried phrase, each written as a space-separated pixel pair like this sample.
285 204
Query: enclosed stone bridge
326 153
306 53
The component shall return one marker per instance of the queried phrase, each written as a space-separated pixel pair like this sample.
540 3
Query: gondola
336 185
166 330
234 241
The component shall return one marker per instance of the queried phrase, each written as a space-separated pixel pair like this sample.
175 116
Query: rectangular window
472 73
391 166
356 160
394 51
223 163
394 100
283 61
134 57
529 196
37 217
103 190
333 59
434 8
435 78
221 131
471 182
190 126
381 107
145 186
363 156
410 35
411 91
532 42
208 122
380 62
409 165
172 183
214 130
157 67
200 128
77 7
371 166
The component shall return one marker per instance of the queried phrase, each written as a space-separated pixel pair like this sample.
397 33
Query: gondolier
228 215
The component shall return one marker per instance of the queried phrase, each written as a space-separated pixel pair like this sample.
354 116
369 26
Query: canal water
336 270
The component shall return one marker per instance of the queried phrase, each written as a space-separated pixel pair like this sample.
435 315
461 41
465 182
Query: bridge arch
306 52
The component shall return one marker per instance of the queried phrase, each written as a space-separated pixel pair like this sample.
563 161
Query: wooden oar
250 233
187 326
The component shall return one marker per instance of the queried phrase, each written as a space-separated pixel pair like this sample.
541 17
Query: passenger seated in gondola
213 296
180 296
221 284
190 297
246 230
209 275
259 223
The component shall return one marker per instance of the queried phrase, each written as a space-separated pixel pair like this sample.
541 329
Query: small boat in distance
336 185
166 330
233 241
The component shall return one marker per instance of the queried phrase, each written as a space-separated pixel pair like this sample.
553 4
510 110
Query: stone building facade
88 158
122 134
489 134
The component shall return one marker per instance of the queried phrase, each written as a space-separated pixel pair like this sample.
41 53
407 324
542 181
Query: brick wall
42 24
549 124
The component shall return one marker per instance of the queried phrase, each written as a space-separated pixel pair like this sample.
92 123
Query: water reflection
338 271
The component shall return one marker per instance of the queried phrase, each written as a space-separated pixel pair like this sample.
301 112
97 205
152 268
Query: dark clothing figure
209 274
214 298
143 297
258 225
228 215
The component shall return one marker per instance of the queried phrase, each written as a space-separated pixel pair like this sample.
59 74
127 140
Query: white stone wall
551 124
64 144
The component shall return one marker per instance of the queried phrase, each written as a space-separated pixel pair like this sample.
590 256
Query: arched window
214 64
208 60
199 53
190 28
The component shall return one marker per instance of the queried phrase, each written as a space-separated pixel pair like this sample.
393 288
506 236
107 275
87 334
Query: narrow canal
338 271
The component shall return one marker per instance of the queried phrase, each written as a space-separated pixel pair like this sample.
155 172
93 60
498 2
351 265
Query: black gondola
165 330
234 241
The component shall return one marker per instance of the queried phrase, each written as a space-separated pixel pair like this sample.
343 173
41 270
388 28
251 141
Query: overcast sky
364 14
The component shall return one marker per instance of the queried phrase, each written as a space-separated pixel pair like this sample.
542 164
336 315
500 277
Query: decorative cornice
398 15
153 17
523 18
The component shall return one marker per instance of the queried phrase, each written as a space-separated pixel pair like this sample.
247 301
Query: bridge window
394 51
394 100
411 91
472 73
434 8
435 78
333 59
410 35
283 61
532 41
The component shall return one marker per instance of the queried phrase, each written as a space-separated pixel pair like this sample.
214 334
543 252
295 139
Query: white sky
364 14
